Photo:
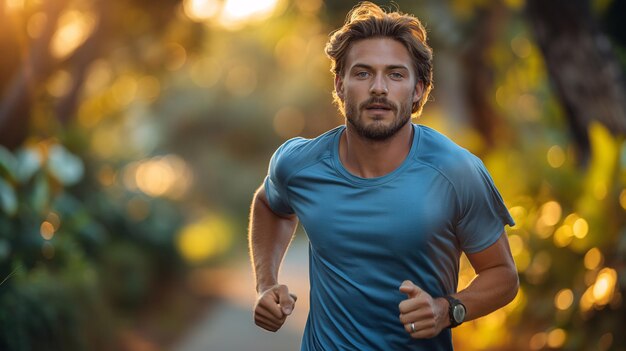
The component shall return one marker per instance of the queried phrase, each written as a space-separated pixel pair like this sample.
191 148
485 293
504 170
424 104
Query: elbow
513 284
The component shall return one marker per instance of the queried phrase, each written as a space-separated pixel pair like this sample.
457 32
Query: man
388 207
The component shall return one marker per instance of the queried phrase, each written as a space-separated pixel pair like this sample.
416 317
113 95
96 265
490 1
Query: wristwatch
456 311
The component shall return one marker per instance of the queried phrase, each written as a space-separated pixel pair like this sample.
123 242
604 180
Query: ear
339 87
419 91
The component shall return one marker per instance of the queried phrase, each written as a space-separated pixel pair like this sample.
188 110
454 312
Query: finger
269 303
422 331
413 304
268 323
286 301
416 315
269 314
410 289
419 324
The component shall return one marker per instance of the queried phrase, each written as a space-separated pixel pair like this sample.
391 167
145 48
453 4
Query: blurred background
133 134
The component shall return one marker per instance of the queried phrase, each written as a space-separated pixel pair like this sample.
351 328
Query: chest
407 213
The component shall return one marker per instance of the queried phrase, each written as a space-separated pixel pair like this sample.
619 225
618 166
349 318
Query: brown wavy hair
368 20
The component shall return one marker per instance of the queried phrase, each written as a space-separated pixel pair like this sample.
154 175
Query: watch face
458 313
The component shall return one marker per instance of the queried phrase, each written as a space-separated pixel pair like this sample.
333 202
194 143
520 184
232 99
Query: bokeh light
564 299
556 338
556 156
206 238
74 28
201 10
593 258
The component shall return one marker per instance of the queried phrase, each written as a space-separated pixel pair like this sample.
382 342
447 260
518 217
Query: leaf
28 162
64 166
40 192
5 249
8 199
7 161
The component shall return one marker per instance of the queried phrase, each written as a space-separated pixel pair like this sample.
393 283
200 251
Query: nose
379 86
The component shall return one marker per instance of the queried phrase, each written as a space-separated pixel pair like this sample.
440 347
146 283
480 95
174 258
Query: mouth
377 107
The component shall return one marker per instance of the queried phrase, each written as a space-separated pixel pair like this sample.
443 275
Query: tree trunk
480 75
583 68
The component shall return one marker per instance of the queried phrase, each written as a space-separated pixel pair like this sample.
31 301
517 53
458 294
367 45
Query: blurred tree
64 35
583 68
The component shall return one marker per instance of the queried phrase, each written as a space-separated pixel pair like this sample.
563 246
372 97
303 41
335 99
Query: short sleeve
277 178
482 213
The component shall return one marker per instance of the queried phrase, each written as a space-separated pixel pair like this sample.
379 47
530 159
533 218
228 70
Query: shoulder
444 155
298 153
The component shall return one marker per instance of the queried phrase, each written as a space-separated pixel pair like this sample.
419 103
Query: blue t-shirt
367 235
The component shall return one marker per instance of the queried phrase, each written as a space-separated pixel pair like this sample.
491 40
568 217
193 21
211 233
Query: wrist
456 311
442 312
264 286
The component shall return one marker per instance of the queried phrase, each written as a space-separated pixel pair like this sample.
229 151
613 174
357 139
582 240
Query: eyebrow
389 67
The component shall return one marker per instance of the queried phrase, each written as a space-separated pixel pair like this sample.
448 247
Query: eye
396 75
362 74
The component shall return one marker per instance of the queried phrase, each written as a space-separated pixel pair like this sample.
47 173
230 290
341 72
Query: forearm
269 236
490 290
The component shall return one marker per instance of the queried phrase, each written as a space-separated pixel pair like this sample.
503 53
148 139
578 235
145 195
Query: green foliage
71 266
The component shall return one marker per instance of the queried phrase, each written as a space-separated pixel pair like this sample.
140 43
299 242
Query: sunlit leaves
65 167
29 161
8 198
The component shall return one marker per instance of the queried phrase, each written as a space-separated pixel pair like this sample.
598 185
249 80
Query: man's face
378 87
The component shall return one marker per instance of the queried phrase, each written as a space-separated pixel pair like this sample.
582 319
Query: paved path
229 326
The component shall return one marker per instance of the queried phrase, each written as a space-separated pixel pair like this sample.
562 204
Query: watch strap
452 304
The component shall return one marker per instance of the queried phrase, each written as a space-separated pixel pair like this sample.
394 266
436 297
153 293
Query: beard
378 130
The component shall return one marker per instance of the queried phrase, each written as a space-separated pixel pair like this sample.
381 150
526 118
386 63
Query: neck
368 158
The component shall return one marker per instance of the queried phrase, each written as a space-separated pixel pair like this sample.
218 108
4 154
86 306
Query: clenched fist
422 316
272 307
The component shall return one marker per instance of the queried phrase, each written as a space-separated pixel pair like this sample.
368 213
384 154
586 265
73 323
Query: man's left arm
495 285
496 282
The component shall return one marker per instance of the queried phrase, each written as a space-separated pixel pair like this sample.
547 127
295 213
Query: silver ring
412 327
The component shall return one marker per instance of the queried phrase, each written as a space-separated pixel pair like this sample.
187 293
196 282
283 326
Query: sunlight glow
563 236
162 176
204 239
604 287
519 215
551 213
556 156
593 258
47 230
538 341
581 228
238 12
564 299
556 338
73 29
201 10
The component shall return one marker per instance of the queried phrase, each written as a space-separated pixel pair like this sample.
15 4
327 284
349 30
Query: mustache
378 101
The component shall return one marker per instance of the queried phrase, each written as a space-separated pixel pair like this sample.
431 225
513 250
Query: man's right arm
269 238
